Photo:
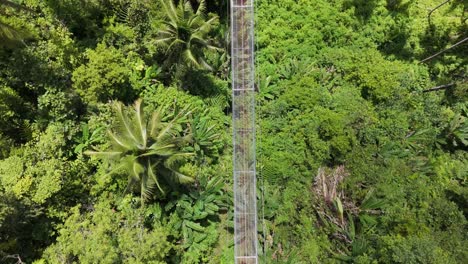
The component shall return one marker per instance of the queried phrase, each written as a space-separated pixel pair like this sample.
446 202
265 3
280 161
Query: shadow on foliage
27 76
84 20
25 230
363 8
396 43
459 199
436 40
199 82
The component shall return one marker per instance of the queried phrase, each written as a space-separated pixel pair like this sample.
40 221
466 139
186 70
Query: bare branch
449 48
440 87
432 11
14 256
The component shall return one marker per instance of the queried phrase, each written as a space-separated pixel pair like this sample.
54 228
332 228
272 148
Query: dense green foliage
359 160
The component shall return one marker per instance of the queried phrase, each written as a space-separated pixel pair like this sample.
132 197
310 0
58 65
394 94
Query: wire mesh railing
243 105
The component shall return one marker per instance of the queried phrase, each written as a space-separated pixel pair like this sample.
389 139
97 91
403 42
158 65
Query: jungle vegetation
115 138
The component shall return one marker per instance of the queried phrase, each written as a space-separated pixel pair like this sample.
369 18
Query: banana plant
456 133
86 139
193 209
149 149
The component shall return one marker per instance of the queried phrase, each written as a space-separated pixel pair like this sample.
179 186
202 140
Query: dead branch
14 256
440 87
326 183
449 48
432 11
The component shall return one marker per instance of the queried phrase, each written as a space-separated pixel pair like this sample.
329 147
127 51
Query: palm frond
152 174
207 26
140 120
183 26
174 160
122 142
187 7
124 120
190 58
182 178
10 36
149 147
201 11
137 169
156 125
173 45
103 153
170 10
169 128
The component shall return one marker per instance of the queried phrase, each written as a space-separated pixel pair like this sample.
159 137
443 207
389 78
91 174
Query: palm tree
9 35
149 149
185 33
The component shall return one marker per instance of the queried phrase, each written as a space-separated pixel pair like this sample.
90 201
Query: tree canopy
115 131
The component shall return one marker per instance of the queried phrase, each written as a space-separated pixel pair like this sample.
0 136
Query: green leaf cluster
361 142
